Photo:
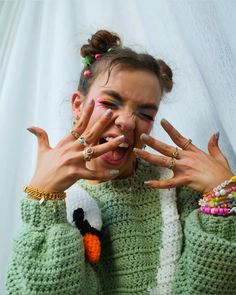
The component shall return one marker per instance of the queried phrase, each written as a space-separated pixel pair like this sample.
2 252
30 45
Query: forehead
133 85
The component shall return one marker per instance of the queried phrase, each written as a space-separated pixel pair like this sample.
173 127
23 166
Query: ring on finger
88 153
187 143
75 134
172 163
82 141
175 154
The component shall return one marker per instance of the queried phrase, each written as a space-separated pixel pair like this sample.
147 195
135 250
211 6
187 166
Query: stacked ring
75 134
172 163
88 153
82 141
187 143
175 154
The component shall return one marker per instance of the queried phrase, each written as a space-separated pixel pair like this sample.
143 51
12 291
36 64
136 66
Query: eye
108 104
145 116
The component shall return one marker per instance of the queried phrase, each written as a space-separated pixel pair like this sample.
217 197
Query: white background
40 66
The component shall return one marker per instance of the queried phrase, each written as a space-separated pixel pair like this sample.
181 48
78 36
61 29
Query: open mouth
116 156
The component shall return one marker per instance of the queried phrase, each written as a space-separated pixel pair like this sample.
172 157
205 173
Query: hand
193 168
60 167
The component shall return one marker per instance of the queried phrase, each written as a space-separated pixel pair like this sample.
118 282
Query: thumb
215 151
42 136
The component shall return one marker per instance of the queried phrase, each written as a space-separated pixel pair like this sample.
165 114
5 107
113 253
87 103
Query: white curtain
40 65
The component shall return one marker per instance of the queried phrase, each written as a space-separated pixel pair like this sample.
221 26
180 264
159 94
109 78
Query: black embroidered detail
83 224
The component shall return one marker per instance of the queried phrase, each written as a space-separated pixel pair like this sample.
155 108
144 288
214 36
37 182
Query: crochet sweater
152 243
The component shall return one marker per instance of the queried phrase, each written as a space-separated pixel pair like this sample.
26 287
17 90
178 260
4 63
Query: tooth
124 144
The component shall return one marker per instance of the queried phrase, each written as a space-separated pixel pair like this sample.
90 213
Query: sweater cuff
44 215
223 227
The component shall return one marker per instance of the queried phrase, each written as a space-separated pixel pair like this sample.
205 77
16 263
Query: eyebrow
117 96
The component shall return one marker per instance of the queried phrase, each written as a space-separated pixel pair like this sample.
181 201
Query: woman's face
134 97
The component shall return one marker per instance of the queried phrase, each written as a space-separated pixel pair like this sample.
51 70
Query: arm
48 254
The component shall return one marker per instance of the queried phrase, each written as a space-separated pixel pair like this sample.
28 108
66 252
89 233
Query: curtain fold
40 66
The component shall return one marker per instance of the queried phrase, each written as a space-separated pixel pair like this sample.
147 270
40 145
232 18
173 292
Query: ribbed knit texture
208 263
141 245
131 234
48 254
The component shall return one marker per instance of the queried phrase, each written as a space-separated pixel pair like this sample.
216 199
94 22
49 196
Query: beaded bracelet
220 201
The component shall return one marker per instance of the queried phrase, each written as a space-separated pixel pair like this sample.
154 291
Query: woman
152 241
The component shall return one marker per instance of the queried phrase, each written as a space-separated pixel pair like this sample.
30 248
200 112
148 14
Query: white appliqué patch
171 239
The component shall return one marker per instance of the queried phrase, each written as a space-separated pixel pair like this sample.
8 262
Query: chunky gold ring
88 153
172 163
75 134
187 143
82 141
175 154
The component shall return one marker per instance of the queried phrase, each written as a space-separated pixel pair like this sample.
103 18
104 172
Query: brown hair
109 46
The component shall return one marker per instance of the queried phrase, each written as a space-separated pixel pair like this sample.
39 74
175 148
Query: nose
125 121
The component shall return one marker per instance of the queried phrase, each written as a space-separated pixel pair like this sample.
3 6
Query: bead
222 192
98 55
217 194
87 73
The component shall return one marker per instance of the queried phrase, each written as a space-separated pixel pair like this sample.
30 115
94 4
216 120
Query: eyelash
113 105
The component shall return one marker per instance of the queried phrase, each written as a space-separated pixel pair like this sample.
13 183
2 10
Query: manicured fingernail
108 112
147 183
217 134
31 130
91 102
164 121
119 138
114 172
144 137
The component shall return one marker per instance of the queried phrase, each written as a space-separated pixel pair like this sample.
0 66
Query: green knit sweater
144 250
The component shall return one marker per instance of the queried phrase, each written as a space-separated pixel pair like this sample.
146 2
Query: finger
100 174
154 159
101 149
42 137
167 183
160 146
80 125
177 138
215 151
91 136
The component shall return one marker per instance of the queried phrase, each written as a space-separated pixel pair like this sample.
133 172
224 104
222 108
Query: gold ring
175 154
88 153
187 143
172 163
75 134
82 141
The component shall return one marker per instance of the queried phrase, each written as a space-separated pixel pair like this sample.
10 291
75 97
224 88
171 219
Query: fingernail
217 134
136 150
147 182
91 102
31 130
119 138
144 137
114 172
108 112
164 121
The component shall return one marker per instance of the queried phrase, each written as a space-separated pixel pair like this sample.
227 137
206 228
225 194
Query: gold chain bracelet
42 196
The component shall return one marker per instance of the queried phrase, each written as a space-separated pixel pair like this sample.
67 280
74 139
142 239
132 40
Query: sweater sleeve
48 254
208 261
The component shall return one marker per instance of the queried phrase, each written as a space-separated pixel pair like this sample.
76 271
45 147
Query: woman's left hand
191 166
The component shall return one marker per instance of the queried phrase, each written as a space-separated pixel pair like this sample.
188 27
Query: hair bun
166 75
100 42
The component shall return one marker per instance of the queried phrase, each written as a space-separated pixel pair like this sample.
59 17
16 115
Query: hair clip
87 60
87 73
97 55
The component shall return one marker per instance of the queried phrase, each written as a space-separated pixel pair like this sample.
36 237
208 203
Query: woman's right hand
59 168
